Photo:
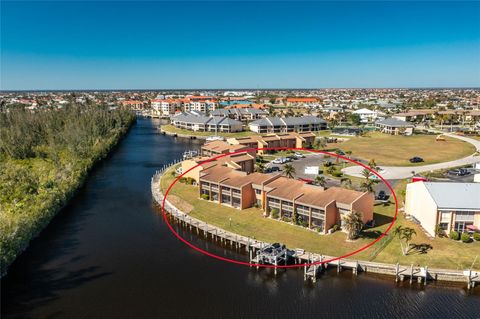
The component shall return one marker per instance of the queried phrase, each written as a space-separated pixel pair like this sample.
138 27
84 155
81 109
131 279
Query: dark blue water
109 254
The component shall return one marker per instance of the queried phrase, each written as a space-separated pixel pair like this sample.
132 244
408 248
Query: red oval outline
244 263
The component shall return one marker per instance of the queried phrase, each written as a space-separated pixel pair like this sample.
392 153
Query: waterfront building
451 206
244 162
241 114
288 124
286 140
394 126
316 207
201 123
215 148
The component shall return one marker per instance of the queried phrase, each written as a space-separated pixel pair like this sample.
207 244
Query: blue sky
153 45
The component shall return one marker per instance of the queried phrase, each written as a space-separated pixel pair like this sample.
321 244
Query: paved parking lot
318 160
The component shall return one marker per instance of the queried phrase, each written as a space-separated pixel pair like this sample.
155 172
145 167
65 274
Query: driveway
402 172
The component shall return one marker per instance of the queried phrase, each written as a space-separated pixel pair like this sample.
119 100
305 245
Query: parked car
459 172
278 160
274 169
416 159
382 195
299 155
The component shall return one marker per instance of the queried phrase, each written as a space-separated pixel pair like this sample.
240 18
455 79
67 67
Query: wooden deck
318 262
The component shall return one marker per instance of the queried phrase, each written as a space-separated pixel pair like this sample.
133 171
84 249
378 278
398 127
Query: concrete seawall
399 272
193 137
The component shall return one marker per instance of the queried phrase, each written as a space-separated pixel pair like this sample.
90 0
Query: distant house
452 206
302 101
366 115
415 115
394 126
288 124
201 123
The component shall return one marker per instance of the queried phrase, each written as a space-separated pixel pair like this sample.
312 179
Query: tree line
45 155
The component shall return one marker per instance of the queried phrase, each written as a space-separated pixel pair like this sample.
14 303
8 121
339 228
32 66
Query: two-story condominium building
317 207
215 148
288 124
201 123
232 187
243 162
452 206
284 140
241 114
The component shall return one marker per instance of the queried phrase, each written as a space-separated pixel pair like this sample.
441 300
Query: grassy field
172 129
397 150
445 253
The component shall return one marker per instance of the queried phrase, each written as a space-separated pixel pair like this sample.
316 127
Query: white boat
214 138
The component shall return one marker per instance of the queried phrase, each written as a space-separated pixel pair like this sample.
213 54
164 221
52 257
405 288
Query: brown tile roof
304 194
217 174
232 178
221 147
286 188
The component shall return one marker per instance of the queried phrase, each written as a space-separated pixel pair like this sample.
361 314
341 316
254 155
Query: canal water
109 254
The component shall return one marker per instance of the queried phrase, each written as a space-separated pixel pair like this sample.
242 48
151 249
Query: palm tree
260 167
330 169
289 170
338 152
405 235
320 143
372 164
346 183
320 181
368 184
353 224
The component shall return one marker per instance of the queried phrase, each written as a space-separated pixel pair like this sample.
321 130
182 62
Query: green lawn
397 150
249 222
172 129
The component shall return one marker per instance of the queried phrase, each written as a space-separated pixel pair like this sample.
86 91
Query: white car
280 160
299 155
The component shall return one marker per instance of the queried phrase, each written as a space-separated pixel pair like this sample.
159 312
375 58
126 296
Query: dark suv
416 159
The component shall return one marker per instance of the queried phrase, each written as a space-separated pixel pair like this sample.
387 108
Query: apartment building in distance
288 124
452 206
241 114
316 207
165 107
200 123
199 103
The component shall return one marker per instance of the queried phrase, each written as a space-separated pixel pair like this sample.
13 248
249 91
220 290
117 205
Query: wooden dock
318 263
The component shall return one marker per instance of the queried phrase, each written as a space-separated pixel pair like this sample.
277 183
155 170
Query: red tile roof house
318 208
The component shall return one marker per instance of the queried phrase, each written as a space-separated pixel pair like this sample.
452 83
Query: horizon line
246 89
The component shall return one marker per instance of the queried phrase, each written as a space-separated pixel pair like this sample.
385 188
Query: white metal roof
462 196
